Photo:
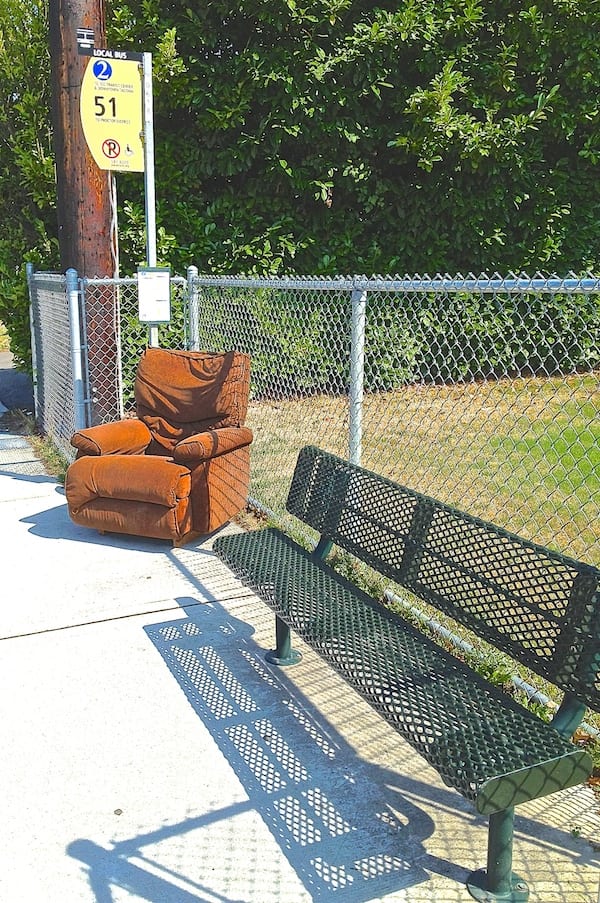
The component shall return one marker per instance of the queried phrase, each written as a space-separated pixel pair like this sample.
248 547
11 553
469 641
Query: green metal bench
538 606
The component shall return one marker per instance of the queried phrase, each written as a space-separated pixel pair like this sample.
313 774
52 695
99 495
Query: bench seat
483 743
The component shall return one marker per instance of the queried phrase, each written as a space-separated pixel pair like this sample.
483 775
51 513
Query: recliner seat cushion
134 494
137 478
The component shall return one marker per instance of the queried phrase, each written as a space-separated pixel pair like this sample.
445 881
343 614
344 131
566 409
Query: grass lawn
522 453
4 345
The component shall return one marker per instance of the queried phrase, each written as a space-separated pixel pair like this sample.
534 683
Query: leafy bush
27 212
337 137
290 138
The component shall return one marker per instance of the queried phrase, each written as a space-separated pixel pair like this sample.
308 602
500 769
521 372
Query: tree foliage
331 136
349 137
27 182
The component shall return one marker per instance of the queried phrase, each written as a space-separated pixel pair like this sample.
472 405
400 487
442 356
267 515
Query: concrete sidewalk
149 753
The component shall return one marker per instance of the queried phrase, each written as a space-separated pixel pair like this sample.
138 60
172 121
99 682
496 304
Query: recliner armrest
123 437
211 444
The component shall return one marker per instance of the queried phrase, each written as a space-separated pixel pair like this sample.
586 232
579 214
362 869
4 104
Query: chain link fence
116 339
86 342
53 336
481 392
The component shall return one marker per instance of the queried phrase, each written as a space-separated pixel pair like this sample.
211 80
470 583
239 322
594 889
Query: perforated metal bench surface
540 607
488 747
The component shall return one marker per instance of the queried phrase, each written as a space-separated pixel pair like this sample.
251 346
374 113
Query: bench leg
283 654
498 882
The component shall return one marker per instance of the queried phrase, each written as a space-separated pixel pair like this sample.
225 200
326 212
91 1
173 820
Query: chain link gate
56 346
86 342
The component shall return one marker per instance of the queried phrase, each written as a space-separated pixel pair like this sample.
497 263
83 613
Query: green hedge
302 347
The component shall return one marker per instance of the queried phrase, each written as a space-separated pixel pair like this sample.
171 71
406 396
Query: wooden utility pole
83 202
83 190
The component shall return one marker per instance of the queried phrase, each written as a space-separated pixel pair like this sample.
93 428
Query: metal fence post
76 349
29 270
193 313
357 374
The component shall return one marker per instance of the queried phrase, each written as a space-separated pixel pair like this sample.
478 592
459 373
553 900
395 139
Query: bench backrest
538 606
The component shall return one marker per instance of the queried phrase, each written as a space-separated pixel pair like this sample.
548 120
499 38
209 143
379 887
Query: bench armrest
211 444
123 437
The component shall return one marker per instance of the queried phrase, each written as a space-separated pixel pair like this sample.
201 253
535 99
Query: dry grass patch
522 453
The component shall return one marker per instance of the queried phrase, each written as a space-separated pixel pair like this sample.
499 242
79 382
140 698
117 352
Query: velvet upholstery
182 466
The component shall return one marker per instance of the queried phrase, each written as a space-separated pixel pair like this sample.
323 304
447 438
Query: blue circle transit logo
102 70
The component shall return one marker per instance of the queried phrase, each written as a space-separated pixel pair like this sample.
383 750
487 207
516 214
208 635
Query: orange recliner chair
182 467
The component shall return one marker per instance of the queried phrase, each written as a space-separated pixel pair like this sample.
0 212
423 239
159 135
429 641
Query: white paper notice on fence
154 294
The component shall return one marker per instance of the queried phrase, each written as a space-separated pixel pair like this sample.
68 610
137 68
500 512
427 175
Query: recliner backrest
180 393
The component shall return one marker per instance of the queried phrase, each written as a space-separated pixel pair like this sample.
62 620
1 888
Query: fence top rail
417 284
124 280
483 284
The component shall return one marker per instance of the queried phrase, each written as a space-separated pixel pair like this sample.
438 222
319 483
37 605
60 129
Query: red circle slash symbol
111 148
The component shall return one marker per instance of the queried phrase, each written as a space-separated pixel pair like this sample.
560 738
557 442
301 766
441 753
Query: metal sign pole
149 184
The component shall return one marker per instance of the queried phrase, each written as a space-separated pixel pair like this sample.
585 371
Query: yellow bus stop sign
111 110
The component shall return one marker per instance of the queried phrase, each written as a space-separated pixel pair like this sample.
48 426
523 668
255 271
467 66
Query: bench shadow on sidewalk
350 829
297 773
